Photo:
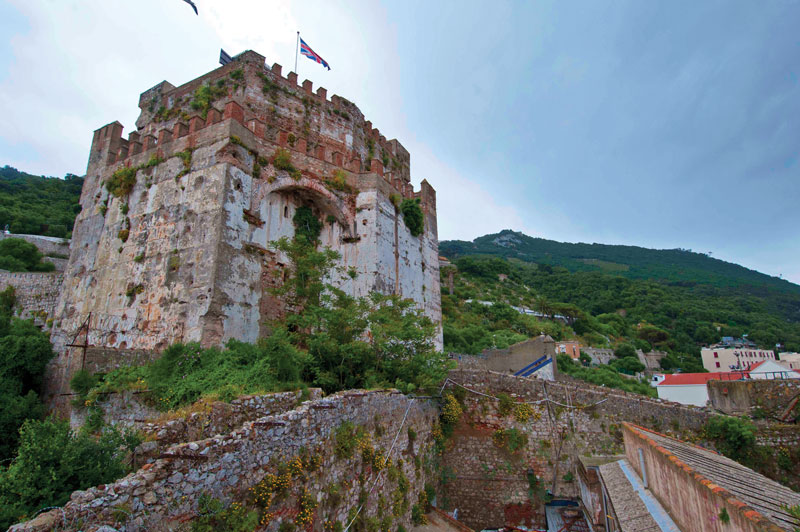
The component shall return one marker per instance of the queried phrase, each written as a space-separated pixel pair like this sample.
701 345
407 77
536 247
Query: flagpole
296 49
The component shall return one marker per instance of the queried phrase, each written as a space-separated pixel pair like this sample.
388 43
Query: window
717 364
716 355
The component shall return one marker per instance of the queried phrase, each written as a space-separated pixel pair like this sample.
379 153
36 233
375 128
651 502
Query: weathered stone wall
185 255
490 486
761 398
36 293
166 492
201 420
517 356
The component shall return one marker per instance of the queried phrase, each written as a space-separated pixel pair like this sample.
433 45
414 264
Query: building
771 369
530 358
599 356
173 241
719 358
790 360
692 389
689 388
570 348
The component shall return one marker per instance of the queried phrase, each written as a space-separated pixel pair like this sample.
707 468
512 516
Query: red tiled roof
684 379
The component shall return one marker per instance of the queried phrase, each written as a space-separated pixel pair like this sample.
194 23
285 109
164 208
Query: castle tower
180 251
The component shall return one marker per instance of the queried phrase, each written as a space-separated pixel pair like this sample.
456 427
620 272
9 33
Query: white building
688 388
790 360
771 369
718 359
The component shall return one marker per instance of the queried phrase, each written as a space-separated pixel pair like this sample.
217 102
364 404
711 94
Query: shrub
512 439
412 216
212 515
51 463
282 160
122 181
451 413
24 353
734 437
204 96
505 404
307 225
18 255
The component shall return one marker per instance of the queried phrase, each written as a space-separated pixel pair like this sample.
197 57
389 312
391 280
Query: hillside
667 265
38 205
640 301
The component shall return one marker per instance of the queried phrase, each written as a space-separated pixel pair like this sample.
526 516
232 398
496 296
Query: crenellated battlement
275 108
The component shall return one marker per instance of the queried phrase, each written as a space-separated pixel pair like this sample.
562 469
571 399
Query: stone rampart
166 492
201 420
36 293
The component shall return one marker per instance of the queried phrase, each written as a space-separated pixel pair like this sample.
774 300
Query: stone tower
181 252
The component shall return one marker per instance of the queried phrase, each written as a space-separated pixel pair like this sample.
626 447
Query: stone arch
316 193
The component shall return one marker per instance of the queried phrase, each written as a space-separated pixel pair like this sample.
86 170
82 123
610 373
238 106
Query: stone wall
200 420
164 493
567 420
36 293
761 398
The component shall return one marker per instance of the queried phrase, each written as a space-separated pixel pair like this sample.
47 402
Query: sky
662 124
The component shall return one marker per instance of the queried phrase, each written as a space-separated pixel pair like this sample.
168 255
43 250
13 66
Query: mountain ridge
670 266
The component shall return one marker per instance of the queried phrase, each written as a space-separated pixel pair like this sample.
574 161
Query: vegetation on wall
412 216
324 342
38 205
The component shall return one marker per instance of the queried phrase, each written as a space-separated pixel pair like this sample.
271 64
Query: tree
18 255
51 463
24 353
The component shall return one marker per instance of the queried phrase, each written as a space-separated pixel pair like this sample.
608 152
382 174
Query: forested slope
38 205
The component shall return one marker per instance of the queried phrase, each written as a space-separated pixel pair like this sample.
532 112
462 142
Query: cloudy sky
660 124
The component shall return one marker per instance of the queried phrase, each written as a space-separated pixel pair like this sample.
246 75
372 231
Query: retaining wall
166 492
762 398
36 293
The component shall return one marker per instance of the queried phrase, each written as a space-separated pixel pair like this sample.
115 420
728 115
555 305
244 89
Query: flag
224 58
311 54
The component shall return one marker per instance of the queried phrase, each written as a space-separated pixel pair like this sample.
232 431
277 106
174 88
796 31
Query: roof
636 508
767 497
686 379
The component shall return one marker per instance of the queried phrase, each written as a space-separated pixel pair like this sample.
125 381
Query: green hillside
667 265
38 205
670 267
670 300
